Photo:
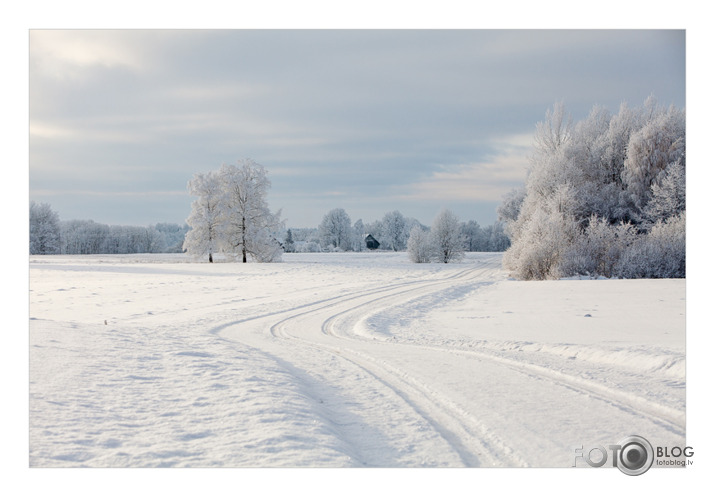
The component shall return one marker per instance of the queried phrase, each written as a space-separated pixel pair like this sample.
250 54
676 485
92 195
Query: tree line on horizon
49 235
206 232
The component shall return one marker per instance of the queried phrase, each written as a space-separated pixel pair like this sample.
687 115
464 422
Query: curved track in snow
338 360
464 407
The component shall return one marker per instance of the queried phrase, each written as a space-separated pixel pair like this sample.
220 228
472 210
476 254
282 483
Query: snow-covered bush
308 247
419 246
598 249
263 247
659 254
444 242
447 239
543 243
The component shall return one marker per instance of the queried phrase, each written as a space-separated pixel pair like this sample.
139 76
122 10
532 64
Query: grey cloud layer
353 111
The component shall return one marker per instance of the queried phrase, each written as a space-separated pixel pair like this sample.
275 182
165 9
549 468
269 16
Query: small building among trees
371 243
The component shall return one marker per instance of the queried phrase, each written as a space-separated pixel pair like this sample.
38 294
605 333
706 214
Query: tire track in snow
332 301
475 444
666 417
335 318
670 419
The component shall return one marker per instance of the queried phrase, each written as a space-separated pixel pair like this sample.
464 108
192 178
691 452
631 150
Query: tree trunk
243 245
211 258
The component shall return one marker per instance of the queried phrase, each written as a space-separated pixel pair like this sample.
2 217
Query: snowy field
343 360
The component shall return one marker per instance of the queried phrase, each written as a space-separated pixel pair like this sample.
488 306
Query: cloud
66 54
484 181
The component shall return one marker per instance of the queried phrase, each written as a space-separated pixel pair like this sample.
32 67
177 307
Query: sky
366 120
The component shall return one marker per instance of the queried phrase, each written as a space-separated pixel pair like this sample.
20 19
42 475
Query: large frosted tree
231 214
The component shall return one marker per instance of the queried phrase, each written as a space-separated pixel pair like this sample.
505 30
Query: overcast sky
370 121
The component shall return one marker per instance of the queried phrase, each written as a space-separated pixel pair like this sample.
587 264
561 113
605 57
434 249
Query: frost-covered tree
394 234
249 226
446 237
44 229
419 246
335 230
492 238
153 241
508 210
473 235
289 244
84 237
116 241
668 194
358 236
555 131
497 239
208 215
660 142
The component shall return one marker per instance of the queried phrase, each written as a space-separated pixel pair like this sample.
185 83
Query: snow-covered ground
344 360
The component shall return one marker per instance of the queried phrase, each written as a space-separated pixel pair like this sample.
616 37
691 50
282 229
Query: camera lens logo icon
635 456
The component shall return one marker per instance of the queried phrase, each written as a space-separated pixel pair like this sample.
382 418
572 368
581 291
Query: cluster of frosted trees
231 216
50 235
444 242
604 197
490 238
337 233
88 237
